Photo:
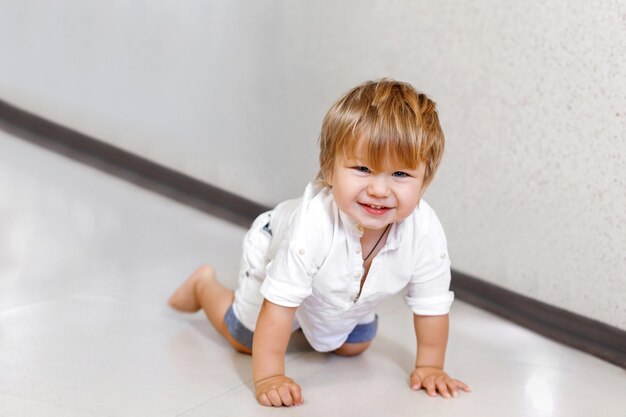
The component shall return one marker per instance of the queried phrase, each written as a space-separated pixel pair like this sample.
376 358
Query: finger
274 398
452 387
296 393
263 400
429 385
415 382
442 388
462 385
285 395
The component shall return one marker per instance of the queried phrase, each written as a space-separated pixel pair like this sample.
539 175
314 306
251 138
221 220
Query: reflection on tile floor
87 262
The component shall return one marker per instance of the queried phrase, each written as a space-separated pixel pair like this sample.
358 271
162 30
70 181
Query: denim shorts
360 334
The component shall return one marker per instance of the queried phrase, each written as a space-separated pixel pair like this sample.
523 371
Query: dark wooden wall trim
591 336
128 166
596 338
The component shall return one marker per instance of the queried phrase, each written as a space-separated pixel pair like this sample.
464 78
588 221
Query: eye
363 169
400 174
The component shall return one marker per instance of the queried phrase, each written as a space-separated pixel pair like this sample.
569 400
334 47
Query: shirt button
357 275
443 255
301 251
358 250
359 227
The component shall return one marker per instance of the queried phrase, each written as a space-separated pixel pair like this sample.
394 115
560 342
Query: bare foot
184 298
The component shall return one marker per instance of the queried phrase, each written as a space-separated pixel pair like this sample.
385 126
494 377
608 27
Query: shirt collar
351 225
395 233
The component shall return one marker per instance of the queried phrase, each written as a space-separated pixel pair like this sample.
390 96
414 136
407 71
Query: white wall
531 95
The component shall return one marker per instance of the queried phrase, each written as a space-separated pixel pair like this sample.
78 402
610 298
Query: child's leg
352 349
203 291
359 339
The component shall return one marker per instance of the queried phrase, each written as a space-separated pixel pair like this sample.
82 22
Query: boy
359 234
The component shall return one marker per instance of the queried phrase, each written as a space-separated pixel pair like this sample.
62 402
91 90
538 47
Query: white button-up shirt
315 263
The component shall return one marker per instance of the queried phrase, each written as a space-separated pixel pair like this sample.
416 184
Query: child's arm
432 337
271 337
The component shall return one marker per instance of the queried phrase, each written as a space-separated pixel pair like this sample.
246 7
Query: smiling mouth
375 209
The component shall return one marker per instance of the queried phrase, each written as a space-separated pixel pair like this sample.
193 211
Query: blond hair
391 119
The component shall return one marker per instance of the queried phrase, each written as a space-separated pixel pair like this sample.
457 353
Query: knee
206 271
242 349
352 349
204 276
238 346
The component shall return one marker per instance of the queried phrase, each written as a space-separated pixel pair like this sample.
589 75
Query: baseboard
596 338
128 166
571 329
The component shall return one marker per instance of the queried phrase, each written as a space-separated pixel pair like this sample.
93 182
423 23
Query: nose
378 186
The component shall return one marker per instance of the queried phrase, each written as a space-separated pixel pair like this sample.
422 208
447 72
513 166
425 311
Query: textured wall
532 97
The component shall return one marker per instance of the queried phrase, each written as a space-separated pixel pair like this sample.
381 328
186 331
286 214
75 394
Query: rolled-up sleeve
431 306
430 295
304 240
428 291
288 281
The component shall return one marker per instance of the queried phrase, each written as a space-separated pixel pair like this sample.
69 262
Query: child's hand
435 380
278 391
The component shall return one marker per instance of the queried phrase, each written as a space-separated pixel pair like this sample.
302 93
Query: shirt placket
371 275
357 269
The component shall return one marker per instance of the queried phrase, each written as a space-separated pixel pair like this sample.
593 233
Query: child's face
376 199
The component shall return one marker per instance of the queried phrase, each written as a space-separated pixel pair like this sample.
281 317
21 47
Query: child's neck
372 241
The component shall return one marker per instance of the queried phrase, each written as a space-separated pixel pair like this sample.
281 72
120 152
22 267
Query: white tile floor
87 262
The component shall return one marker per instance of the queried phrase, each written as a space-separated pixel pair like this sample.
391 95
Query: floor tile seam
563 370
22 397
213 398
46 300
567 371
116 300
243 383
85 296
293 357
68 296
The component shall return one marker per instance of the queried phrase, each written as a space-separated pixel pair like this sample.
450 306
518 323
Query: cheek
411 198
344 192
339 194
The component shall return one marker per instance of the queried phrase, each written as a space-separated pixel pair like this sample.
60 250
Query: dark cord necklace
377 242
